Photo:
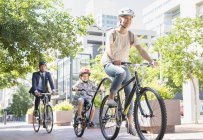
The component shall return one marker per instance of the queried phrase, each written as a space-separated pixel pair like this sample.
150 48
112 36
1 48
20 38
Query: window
94 42
95 33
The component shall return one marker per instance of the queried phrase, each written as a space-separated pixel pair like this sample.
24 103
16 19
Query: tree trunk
194 87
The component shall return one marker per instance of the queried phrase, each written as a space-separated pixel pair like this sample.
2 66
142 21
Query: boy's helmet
84 71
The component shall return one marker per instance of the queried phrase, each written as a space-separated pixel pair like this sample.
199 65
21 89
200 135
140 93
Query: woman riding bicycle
85 85
117 50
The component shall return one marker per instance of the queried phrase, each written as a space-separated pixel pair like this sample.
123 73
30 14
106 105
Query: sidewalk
15 125
13 130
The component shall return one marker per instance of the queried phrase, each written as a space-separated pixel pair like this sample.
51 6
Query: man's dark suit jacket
35 81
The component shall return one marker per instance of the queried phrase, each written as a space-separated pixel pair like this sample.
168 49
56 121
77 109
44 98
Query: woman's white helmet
126 12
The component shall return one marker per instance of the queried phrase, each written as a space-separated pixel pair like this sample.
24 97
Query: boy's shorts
85 100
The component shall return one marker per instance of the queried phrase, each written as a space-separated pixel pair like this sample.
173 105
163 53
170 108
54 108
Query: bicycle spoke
79 126
108 120
36 120
48 118
152 123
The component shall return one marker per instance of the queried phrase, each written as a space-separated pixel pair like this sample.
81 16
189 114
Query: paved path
24 131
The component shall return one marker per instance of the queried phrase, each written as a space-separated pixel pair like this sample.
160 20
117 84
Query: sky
78 8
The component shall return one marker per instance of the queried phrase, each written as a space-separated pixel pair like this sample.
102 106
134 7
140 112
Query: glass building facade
68 73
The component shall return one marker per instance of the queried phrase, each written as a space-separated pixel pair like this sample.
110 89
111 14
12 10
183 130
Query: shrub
30 111
164 91
97 101
63 106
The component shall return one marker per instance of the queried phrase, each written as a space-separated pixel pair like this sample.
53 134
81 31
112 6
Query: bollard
5 116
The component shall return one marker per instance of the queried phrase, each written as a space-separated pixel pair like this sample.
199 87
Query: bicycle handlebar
136 65
85 91
46 93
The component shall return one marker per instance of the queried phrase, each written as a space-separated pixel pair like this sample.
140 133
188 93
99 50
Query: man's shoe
44 126
111 103
35 113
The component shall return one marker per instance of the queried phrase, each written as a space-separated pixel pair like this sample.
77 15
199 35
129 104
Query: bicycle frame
136 89
45 98
96 92
45 102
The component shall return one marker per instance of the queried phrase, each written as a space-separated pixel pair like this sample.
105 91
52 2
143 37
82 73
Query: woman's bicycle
43 115
150 116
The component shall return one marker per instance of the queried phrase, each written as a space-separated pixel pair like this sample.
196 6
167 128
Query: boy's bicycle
43 116
150 116
79 126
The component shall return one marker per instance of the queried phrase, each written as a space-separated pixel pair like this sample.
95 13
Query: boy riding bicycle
85 84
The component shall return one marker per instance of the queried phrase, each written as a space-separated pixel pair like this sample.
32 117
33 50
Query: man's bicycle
43 115
150 116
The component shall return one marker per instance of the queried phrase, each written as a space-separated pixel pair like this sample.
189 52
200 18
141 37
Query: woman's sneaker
132 131
111 103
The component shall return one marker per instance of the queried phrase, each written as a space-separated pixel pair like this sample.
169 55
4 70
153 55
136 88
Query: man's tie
43 83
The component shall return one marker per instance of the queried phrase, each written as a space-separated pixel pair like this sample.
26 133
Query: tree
182 51
32 29
22 101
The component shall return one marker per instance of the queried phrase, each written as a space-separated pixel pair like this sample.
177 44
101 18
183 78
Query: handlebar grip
126 63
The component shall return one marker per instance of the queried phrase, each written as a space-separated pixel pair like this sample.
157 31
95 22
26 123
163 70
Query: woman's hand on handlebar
117 62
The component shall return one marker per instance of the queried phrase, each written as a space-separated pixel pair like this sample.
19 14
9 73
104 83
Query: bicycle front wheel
150 115
79 126
36 120
48 118
109 120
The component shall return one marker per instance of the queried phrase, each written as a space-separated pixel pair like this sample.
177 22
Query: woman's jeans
121 75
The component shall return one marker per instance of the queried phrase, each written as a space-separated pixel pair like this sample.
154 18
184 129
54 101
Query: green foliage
97 69
1 111
63 106
135 56
97 101
164 91
22 101
30 111
181 51
31 30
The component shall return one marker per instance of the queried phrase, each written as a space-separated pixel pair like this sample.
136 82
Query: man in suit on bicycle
40 82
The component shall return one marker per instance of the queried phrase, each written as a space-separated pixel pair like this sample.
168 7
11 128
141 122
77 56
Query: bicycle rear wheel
36 120
150 115
109 120
48 118
79 126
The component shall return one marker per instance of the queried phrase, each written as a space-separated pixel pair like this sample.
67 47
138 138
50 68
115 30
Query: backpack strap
131 37
130 34
114 35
